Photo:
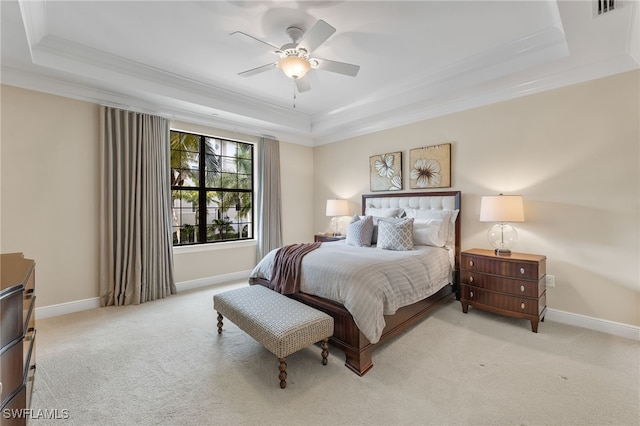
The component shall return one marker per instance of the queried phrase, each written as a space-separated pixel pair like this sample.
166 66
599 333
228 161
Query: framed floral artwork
430 166
386 172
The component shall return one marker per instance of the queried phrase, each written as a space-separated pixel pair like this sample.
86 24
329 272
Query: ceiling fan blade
254 71
303 84
338 67
273 47
317 35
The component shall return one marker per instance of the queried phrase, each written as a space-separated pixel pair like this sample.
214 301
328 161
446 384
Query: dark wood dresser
17 337
513 285
324 238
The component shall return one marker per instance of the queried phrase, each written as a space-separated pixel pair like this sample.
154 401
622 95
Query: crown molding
61 85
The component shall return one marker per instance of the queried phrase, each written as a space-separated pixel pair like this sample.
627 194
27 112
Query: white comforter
367 281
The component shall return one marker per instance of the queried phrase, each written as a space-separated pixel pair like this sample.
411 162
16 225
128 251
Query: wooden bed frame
347 336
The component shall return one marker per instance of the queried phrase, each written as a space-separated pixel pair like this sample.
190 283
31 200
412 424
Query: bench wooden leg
325 350
283 373
220 318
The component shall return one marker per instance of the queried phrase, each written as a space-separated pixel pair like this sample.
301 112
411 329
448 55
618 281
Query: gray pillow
395 234
360 231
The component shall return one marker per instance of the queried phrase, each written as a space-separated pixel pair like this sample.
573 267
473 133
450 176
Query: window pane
214 180
229 181
184 214
184 158
245 166
245 151
244 182
229 164
213 144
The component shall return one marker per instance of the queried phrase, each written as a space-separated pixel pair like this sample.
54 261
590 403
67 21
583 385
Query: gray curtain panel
269 221
136 253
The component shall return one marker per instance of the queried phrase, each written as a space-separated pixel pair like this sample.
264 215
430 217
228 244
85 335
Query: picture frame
430 166
385 172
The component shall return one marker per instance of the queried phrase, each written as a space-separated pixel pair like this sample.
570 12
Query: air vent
600 7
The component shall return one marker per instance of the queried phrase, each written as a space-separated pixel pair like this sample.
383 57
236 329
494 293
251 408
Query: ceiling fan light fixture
294 67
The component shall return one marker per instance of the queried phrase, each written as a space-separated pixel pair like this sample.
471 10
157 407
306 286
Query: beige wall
50 199
50 196
573 153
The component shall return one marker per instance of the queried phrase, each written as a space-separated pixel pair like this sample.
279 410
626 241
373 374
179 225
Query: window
211 189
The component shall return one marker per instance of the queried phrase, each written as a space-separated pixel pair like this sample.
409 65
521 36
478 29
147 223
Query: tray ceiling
418 59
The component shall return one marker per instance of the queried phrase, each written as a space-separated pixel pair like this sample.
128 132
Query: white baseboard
94 302
208 281
67 308
596 324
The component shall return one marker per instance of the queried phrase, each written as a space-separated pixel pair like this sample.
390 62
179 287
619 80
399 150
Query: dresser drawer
11 369
504 285
11 317
16 406
522 305
504 267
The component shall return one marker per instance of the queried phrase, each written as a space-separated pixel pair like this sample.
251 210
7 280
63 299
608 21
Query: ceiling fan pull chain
294 94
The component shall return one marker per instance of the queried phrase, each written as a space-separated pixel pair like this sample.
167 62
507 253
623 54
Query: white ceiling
418 59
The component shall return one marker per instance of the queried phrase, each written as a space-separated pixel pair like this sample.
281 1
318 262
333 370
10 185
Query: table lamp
502 209
337 208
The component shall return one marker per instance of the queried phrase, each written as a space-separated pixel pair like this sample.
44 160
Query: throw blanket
285 278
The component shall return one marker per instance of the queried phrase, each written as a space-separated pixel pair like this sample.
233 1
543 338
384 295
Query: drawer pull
471 294
522 305
521 288
522 271
471 263
470 279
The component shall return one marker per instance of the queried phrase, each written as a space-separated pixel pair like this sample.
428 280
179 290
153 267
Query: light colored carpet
163 363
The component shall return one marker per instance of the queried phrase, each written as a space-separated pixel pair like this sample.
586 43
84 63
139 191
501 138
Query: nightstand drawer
504 285
505 302
506 268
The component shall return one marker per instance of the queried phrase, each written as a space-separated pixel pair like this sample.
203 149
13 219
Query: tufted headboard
445 200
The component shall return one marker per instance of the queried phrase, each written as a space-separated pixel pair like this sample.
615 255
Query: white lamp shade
337 208
501 208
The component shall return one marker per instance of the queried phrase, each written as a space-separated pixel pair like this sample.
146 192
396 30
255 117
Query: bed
416 277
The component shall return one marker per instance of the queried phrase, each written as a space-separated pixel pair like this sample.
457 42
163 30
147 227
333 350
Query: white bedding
370 282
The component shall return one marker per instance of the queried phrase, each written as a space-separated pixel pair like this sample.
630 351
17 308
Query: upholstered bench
280 324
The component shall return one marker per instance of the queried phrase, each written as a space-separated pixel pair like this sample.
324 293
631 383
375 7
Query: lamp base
502 252
502 237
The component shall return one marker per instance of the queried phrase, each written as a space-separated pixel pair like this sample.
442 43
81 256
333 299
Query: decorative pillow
360 231
382 212
395 234
374 236
429 233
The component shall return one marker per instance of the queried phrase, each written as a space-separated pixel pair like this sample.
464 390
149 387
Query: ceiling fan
295 57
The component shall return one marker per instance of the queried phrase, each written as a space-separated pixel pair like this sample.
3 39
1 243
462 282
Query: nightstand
328 237
512 285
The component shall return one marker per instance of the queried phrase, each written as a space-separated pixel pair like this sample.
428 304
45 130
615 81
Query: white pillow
429 233
382 212
395 234
360 231
447 216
